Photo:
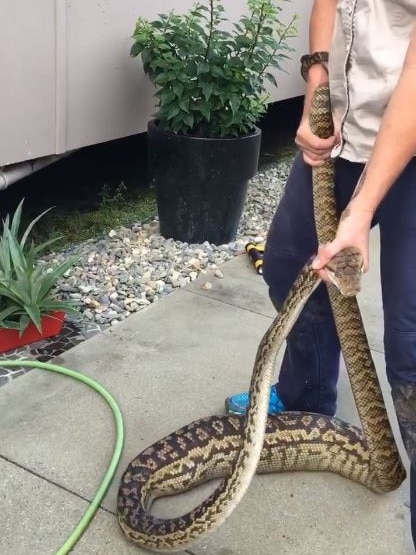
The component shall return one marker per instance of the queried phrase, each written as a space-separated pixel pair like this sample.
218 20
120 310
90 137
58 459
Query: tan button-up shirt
366 57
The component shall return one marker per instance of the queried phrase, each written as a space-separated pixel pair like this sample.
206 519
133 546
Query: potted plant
210 78
29 310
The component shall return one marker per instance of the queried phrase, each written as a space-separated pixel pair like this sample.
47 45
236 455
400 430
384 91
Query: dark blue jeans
309 373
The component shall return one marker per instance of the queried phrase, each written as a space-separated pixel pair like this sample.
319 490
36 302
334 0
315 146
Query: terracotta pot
51 325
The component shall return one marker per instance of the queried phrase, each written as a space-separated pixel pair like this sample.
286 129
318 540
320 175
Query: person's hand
315 150
353 231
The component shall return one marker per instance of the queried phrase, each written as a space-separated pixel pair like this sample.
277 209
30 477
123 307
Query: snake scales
235 448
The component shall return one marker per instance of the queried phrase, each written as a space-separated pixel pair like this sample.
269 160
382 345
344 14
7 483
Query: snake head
344 271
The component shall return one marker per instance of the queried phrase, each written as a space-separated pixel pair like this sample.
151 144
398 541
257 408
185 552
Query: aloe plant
26 288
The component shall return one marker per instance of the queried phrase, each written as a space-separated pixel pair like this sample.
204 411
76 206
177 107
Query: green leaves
26 289
209 81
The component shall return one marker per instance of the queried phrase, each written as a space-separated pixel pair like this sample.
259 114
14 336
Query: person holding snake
366 50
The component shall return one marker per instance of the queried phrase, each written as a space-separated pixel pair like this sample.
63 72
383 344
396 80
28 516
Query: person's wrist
361 208
317 75
307 61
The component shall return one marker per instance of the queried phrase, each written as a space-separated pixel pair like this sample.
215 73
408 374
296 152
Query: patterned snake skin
235 448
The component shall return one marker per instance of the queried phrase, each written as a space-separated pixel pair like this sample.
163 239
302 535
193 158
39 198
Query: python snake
235 447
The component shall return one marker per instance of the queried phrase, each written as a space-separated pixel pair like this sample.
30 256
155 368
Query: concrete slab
172 363
241 287
167 366
244 288
370 297
36 517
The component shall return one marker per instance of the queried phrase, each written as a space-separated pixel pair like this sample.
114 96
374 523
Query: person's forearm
396 140
321 28
321 25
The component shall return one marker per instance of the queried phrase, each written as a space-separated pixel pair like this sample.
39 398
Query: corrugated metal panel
70 81
27 69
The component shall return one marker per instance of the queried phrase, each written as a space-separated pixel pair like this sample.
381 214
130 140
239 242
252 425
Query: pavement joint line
52 482
377 350
67 490
228 303
204 296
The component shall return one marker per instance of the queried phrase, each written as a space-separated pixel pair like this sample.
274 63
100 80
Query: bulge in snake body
207 449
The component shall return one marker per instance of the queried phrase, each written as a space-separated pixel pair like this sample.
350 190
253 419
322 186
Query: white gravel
133 267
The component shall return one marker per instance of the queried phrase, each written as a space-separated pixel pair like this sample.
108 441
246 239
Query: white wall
67 80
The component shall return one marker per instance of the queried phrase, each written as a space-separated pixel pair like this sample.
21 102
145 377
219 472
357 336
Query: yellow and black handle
255 252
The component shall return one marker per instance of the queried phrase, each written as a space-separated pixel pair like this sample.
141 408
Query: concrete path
167 365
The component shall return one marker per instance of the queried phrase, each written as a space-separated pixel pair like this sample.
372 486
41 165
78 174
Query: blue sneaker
237 404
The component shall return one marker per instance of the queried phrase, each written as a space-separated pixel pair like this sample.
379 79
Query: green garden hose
118 446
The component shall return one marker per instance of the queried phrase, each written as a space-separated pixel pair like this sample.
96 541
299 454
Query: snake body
235 447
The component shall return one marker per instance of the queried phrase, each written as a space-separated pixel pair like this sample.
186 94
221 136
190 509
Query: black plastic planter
201 183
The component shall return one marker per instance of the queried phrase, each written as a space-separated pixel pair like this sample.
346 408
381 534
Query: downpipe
15 172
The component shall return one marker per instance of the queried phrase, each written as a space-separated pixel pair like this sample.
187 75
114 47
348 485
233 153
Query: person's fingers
322 274
313 161
314 144
325 254
328 251
307 140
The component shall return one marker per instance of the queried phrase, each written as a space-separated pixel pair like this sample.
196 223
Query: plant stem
167 22
245 34
256 37
281 39
211 29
